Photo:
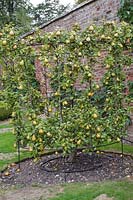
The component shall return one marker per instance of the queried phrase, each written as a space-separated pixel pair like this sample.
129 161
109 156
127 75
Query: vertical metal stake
18 152
122 148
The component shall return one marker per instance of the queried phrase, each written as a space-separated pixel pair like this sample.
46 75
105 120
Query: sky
64 2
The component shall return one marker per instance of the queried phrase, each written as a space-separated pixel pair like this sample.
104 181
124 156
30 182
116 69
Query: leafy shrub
5 111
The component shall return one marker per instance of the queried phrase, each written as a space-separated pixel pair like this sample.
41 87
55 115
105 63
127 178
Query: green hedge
5 111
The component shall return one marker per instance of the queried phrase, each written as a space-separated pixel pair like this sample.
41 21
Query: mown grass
120 190
117 147
7 141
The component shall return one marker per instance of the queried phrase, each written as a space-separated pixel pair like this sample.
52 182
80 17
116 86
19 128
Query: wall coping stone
81 5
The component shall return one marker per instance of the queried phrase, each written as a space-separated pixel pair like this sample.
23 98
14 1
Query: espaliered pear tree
76 115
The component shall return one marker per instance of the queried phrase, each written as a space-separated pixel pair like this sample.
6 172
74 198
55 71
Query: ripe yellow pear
89 75
50 109
98 135
102 36
87 127
28 137
11 33
15 46
14 145
40 140
18 170
113 74
30 149
41 131
6 173
107 66
118 139
65 103
45 60
13 164
29 118
88 39
58 33
4 42
79 54
90 94
33 138
91 28
80 43
21 63
20 87
67 41
97 86
56 153
98 129
98 54
55 58
13 114
34 122
95 115
49 134
86 67
72 37
78 142
57 94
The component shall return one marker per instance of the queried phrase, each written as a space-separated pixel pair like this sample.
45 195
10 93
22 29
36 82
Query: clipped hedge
5 111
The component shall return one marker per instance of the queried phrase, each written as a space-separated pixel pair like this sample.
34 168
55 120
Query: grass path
113 190
119 190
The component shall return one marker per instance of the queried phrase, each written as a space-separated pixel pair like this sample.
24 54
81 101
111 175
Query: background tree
24 15
126 11
48 10
16 12
79 1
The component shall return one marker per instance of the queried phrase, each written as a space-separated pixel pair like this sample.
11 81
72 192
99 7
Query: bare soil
84 168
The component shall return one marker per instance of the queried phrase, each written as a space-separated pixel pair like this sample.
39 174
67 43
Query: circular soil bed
52 170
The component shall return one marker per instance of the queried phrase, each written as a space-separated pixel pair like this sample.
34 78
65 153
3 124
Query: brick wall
85 14
91 11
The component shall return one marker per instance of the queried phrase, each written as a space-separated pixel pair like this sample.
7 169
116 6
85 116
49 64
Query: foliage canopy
74 116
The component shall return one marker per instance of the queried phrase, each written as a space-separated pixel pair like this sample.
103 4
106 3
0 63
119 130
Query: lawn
120 190
8 153
7 141
117 147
